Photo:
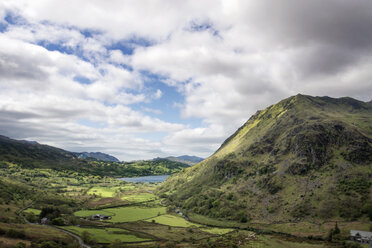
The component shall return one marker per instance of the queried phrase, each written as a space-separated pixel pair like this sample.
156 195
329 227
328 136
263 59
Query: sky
152 78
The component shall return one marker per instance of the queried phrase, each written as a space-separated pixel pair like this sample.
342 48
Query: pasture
217 230
173 220
106 235
104 191
125 214
137 198
33 211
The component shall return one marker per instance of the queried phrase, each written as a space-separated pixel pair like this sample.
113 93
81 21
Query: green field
125 214
106 235
272 241
104 191
33 211
172 220
216 230
136 198
178 221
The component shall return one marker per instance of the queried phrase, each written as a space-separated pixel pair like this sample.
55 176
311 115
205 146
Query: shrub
12 233
20 245
58 221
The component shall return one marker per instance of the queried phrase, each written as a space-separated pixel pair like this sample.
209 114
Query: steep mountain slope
33 154
186 159
302 158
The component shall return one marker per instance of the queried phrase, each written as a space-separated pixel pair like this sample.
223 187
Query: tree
20 245
116 244
337 230
330 235
87 238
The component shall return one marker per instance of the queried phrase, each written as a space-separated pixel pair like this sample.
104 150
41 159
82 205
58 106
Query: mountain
186 159
98 156
33 154
304 158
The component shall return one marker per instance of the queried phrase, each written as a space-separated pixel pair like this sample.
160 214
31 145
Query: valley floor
132 216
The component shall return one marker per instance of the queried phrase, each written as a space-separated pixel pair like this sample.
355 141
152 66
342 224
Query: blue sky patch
82 80
128 46
169 112
14 19
201 27
55 47
3 27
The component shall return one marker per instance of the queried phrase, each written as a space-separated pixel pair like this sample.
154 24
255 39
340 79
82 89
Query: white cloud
227 58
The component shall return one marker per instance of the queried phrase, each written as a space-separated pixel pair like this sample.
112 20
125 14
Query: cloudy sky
147 78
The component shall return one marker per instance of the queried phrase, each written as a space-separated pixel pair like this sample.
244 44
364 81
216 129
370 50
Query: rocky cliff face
302 158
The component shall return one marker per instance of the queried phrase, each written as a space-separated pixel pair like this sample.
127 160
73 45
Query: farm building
44 221
100 217
361 237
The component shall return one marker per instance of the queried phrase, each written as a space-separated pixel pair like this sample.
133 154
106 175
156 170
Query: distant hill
33 154
30 154
98 156
186 159
304 158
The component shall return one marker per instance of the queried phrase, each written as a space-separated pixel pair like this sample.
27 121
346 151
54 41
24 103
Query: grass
125 214
33 211
216 230
272 241
103 191
8 242
178 221
214 222
106 235
172 220
304 229
137 198
35 232
176 234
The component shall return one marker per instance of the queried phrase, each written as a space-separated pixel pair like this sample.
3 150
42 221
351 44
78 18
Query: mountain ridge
291 161
97 155
34 155
186 159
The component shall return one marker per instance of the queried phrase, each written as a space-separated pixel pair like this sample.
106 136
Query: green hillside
304 158
33 155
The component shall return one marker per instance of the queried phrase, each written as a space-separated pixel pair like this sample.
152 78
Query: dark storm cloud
19 67
340 22
328 35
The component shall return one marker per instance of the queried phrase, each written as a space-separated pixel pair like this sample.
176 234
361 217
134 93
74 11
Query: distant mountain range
21 148
30 154
304 158
98 156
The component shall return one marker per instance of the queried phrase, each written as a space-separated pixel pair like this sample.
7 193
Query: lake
146 179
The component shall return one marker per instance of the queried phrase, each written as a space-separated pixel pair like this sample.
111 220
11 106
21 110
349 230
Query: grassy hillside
304 158
34 155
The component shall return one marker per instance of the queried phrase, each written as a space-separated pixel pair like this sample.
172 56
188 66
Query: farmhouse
361 236
100 217
44 221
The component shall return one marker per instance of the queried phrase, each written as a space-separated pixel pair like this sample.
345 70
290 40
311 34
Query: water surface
146 179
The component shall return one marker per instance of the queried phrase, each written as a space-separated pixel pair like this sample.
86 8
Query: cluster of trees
137 168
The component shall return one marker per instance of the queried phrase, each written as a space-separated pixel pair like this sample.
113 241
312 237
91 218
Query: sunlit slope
302 158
